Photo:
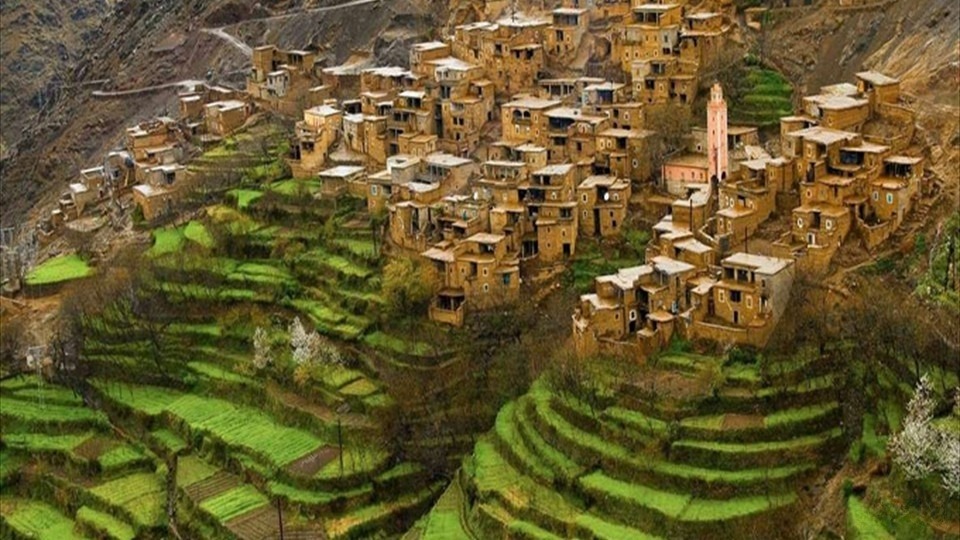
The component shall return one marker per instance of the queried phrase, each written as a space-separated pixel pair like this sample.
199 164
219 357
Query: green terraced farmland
32 519
58 270
555 466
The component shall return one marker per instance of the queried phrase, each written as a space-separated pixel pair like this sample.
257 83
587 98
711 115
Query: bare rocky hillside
141 43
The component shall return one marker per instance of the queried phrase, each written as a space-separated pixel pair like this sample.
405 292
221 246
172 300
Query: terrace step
589 449
735 456
104 525
219 483
744 401
674 514
777 426
562 465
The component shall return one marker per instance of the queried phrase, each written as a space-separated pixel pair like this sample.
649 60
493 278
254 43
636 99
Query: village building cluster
490 170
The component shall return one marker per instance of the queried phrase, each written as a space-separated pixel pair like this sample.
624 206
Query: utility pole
280 517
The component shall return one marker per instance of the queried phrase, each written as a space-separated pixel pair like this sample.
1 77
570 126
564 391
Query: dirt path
291 14
236 42
145 89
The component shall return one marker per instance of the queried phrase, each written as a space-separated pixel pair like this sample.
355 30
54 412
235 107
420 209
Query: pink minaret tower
717 151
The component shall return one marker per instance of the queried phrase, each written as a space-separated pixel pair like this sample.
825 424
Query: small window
876 195
583 198
749 301
486 272
373 189
722 296
799 222
486 287
506 279
889 198
636 164
829 224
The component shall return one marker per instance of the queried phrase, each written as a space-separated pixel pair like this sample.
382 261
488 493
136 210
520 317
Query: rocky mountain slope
138 43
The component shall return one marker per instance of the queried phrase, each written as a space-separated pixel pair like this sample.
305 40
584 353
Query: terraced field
683 466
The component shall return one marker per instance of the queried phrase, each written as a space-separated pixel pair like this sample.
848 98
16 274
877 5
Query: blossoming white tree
310 347
262 352
950 463
915 448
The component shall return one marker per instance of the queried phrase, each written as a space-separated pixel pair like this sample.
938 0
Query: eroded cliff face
41 42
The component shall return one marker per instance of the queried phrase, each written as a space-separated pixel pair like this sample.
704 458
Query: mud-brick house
416 205
422 53
624 153
343 179
653 32
478 272
602 203
401 169
549 196
663 80
524 119
744 305
281 79
633 312
222 118
315 136
571 134
147 137
162 187
751 197
893 194
562 38
878 88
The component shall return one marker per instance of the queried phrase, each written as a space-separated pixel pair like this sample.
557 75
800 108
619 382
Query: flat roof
759 263
671 266
703 16
693 245
603 181
903 160
876 78
437 254
486 238
867 147
823 135
341 171
628 133
387 71
833 103
840 89
446 160
502 163
576 114
429 45
522 20
555 169
529 102
452 63
569 11
655 7
606 85
322 110
417 94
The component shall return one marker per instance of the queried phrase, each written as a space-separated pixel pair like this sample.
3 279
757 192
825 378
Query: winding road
237 43
231 39
234 41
